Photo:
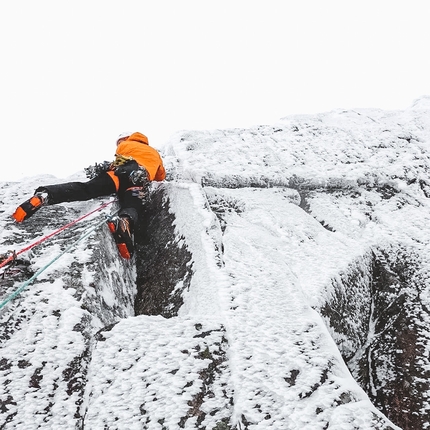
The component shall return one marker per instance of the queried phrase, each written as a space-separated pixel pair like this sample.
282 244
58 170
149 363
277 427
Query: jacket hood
139 137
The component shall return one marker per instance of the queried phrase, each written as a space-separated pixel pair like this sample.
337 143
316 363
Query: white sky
75 74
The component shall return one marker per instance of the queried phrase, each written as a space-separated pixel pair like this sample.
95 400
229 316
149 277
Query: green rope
83 236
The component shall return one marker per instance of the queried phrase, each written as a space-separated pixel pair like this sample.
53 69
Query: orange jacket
136 146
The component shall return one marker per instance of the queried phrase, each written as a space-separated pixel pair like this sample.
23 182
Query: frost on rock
47 331
141 378
281 281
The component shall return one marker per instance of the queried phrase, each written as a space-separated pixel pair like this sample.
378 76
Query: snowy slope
289 231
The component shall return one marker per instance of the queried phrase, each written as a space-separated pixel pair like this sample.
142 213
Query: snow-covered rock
281 281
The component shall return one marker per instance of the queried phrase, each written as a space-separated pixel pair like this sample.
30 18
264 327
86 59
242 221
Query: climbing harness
83 236
120 160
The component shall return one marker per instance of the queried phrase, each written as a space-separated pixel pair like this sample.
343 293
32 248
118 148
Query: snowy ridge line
83 236
299 182
367 147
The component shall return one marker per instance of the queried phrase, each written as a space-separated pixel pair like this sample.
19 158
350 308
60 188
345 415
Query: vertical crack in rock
379 323
163 263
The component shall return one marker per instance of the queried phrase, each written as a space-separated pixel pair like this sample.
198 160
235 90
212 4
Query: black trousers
130 196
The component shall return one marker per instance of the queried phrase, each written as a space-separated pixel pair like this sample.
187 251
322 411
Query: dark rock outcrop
384 344
164 265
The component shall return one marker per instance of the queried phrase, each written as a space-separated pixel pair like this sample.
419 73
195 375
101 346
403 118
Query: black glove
126 169
97 169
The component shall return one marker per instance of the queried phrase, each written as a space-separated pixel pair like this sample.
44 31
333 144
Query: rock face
281 280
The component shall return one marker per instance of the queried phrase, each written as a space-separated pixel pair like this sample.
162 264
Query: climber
136 164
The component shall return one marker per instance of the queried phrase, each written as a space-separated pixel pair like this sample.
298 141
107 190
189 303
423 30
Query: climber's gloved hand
126 169
97 169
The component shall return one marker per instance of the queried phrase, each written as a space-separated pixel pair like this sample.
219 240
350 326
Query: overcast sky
75 74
